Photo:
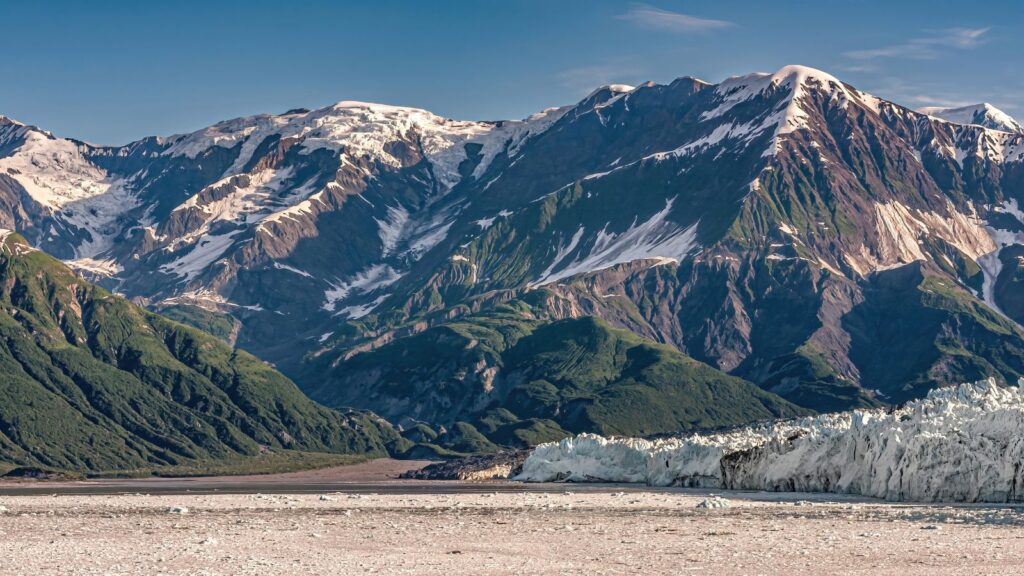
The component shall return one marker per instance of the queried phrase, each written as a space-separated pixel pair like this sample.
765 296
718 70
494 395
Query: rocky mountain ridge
785 228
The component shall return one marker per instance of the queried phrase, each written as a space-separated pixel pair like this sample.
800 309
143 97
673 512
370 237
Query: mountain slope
93 383
508 373
768 226
747 224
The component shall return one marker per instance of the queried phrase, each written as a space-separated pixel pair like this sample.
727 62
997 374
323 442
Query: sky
110 72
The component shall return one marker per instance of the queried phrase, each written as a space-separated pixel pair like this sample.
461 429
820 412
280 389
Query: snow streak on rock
657 239
960 444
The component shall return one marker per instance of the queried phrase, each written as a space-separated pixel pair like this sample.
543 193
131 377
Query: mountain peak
793 76
794 81
613 88
801 74
4 120
983 114
602 93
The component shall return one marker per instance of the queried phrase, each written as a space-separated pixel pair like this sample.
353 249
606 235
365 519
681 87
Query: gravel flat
379 472
479 532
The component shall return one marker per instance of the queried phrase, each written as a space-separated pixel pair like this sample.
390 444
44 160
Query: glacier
959 444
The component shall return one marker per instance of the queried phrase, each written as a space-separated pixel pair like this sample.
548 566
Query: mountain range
649 259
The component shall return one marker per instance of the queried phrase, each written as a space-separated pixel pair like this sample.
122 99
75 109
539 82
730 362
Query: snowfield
960 444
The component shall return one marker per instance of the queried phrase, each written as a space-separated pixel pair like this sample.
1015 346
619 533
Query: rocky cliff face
786 228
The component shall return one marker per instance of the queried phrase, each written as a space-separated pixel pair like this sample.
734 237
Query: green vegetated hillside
218 324
914 329
507 377
90 382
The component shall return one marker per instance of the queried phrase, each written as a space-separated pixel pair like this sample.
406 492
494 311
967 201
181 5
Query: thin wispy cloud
928 101
652 18
856 68
926 47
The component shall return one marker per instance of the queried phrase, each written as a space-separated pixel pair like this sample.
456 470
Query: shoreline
382 476
557 529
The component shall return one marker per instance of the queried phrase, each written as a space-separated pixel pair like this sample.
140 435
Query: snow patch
428 236
205 251
245 199
656 239
391 228
991 264
359 310
108 267
364 282
292 269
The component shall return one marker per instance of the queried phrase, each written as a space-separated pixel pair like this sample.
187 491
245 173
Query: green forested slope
91 382
519 380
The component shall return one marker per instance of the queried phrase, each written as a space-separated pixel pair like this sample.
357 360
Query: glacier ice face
959 444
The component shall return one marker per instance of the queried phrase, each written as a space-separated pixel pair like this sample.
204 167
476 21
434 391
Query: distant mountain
93 383
984 114
826 245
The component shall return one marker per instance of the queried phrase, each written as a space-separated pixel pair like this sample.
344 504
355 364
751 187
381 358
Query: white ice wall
960 444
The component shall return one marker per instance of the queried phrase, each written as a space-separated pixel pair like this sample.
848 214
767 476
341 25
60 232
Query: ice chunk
714 502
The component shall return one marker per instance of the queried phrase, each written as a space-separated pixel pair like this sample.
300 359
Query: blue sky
110 72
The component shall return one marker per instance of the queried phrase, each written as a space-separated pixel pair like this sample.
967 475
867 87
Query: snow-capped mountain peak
6 121
614 89
364 129
52 170
792 90
984 114
795 75
741 88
